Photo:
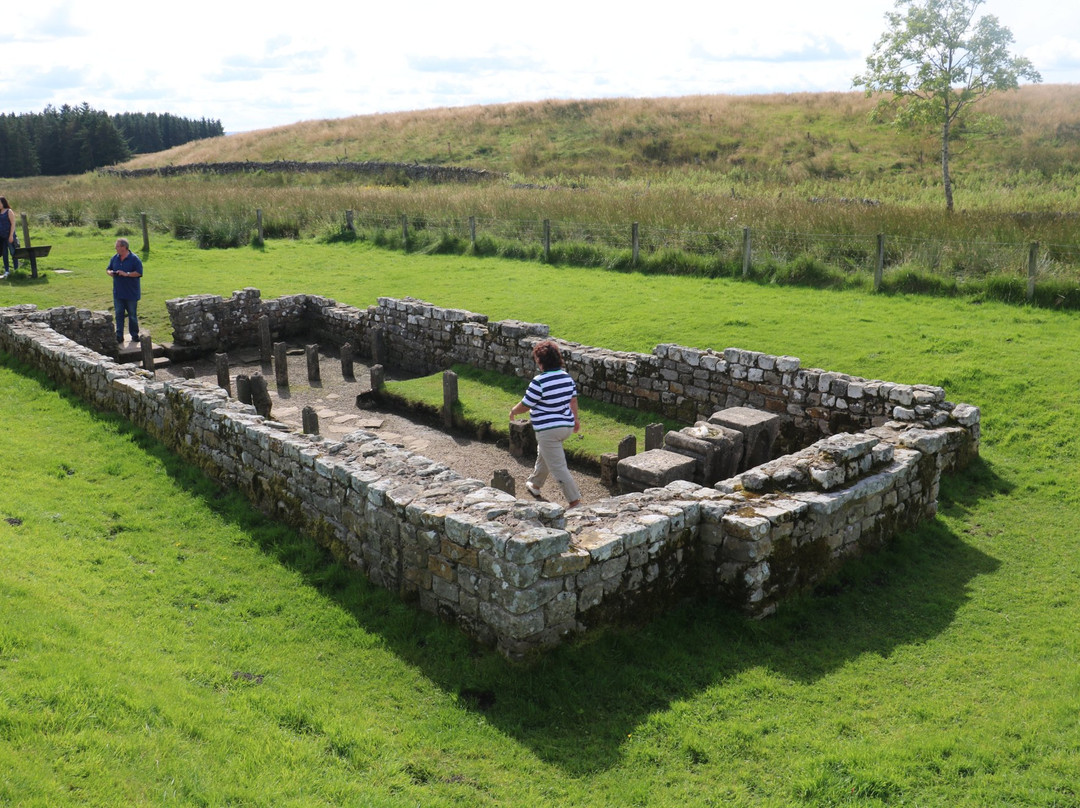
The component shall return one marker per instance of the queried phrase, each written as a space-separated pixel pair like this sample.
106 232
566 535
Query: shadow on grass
576 706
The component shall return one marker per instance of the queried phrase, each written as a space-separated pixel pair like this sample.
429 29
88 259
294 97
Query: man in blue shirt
126 270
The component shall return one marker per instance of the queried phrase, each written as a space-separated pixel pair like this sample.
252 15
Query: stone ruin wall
517 574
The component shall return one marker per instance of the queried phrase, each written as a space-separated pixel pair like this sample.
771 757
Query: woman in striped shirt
551 401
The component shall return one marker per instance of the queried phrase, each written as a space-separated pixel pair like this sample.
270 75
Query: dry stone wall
679 382
520 575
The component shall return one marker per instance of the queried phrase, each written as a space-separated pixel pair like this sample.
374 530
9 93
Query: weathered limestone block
760 431
716 449
522 439
653 469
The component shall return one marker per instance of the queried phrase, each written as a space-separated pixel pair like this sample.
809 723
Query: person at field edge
7 235
551 401
126 270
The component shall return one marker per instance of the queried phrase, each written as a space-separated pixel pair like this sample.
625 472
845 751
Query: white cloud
1057 53
278 63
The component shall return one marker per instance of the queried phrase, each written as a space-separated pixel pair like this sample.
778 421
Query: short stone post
221 361
147 345
627 447
187 372
378 378
281 364
145 236
609 470
243 389
258 226
265 346
349 225
472 231
347 371
522 439
450 397
311 421
504 481
654 437
312 354
260 396
547 241
635 244
404 230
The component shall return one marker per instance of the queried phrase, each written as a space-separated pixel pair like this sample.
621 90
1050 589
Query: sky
257 65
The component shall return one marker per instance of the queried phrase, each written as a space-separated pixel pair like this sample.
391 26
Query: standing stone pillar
260 396
378 347
450 397
281 364
147 345
378 378
627 447
221 360
265 346
654 437
312 354
243 389
347 372
310 420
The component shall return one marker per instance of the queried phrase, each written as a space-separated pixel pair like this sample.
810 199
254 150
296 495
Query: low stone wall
687 384
371 168
516 574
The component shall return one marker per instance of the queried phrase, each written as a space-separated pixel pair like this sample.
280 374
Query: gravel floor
334 400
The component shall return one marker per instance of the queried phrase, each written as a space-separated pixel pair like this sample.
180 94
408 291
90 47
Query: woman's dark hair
547 355
3 203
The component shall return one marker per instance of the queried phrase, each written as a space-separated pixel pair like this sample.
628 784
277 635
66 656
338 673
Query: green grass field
162 644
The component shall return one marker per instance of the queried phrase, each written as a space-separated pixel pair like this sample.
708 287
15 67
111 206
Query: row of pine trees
74 140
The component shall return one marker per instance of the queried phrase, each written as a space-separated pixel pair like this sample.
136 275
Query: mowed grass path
161 644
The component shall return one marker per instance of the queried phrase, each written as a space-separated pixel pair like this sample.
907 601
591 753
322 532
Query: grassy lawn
162 644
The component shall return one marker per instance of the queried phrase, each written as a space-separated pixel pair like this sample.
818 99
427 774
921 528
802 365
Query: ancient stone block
759 430
653 469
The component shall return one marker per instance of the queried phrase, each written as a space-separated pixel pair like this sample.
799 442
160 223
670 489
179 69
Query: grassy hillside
780 138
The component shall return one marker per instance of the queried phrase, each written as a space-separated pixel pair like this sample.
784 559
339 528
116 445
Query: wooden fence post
879 267
635 244
746 252
1033 265
145 235
547 240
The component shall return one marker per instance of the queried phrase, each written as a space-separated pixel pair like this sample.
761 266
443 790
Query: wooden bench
32 254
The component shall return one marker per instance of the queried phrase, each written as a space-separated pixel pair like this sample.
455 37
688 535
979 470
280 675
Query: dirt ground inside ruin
334 400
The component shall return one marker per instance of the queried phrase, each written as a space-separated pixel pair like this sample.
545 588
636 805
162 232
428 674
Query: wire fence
958 259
